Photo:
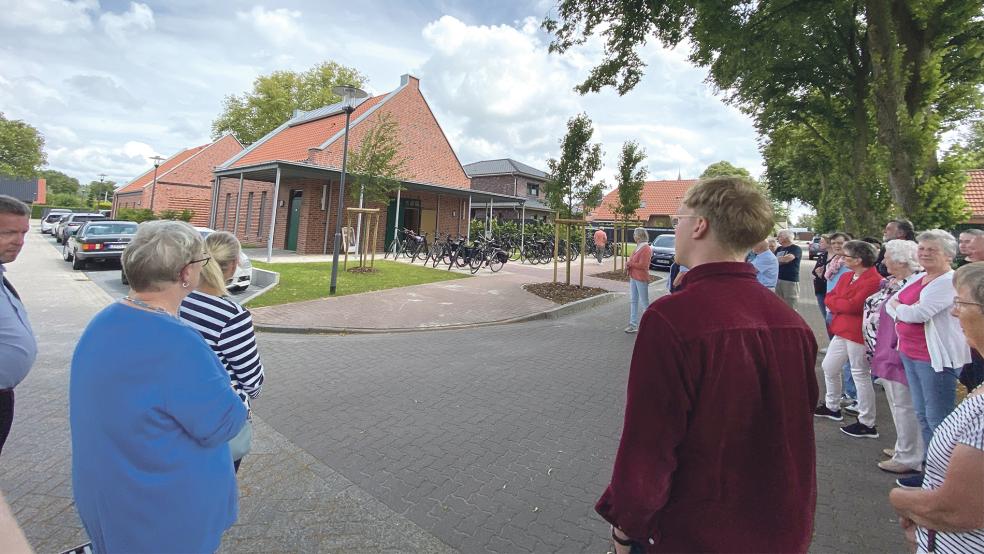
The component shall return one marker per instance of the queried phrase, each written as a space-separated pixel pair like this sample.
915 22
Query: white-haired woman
227 327
880 346
638 269
931 345
151 410
947 515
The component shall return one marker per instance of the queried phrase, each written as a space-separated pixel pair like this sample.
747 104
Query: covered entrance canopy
301 211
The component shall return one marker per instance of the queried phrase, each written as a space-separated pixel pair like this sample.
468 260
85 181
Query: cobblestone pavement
289 501
496 439
501 439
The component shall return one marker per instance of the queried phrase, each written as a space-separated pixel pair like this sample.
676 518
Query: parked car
49 221
98 241
241 278
664 251
815 247
73 221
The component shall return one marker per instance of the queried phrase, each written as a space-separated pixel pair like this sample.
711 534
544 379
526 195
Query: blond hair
223 247
736 211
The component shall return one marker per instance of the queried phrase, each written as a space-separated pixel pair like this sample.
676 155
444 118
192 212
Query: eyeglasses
675 220
205 259
959 304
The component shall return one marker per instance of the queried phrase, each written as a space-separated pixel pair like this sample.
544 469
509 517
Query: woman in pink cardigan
638 269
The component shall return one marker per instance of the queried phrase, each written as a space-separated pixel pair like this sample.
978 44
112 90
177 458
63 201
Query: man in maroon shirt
717 450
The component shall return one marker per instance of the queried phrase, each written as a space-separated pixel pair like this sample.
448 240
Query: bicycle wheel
497 260
393 248
476 261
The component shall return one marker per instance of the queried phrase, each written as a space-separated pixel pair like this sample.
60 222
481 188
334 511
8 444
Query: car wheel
66 255
77 263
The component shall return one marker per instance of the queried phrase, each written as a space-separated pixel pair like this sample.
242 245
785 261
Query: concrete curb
553 313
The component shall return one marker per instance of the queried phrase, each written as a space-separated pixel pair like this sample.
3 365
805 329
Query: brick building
296 168
974 195
660 201
184 181
514 178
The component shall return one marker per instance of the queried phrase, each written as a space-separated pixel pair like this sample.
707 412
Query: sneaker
631 329
847 401
860 430
911 482
822 411
852 408
889 452
891 466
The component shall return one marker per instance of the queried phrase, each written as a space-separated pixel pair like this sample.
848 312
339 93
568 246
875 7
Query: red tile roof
974 193
147 177
658 197
292 144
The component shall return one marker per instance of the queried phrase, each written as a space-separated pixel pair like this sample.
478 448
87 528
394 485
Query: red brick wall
500 184
198 169
430 158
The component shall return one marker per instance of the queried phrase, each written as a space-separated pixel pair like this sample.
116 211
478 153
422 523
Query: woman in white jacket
931 344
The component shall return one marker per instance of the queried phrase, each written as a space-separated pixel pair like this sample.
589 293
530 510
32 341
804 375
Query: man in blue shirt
789 256
18 347
766 265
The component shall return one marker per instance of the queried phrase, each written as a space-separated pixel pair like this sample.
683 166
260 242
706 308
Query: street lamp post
153 187
348 94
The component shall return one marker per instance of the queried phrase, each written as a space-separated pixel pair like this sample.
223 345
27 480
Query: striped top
964 425
227 327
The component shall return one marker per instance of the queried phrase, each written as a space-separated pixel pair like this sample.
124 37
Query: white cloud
120 162
49 17
119 27
104 89
281 27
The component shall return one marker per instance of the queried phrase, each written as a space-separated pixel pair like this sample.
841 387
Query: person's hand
909 529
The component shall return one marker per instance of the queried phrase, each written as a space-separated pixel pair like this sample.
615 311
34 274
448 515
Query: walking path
484 298
289 501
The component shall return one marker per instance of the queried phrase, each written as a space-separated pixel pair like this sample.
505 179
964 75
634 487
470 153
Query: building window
249 212
532 189
259 224
225 217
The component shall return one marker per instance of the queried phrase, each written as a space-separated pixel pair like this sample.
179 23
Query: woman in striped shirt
947 514
226 326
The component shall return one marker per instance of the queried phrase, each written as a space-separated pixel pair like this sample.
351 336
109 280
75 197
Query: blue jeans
823 307
933 394
850 390
638 296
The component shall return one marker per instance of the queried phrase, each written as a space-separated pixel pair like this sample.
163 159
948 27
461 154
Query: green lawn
309 281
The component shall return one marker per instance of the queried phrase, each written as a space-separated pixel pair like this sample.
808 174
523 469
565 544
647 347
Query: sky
110 84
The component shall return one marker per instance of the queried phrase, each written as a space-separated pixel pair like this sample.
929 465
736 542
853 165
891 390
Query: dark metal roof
506 166
267 172
25 190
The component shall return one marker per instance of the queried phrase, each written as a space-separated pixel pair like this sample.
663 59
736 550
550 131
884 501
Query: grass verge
310 281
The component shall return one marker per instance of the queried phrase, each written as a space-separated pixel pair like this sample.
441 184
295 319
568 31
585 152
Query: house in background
296 169
507 176
660 201
29 191
184 181
974 195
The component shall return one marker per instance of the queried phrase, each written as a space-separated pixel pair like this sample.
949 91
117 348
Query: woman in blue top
152 410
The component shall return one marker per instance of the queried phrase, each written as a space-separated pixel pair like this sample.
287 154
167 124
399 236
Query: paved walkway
482 298
289 501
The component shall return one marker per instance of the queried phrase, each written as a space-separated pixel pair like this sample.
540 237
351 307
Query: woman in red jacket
846 303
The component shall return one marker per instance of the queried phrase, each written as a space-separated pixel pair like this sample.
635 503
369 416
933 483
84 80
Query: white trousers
908 442
839 351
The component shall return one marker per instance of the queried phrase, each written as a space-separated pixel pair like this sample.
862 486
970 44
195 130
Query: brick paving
496 439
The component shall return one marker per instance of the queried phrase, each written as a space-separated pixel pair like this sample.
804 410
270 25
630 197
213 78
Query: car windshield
665 241
53 217
111 229
79 218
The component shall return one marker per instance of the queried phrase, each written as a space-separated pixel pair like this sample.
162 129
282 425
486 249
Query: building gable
659 198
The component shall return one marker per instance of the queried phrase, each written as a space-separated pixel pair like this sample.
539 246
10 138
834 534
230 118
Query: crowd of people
161 426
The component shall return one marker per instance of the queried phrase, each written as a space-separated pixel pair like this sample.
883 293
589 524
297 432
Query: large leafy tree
571 189
727 169
806 70
100 190
251 115
21 149
59 183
